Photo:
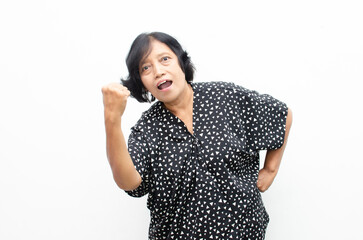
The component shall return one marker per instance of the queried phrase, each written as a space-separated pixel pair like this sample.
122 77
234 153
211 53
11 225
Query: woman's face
161 73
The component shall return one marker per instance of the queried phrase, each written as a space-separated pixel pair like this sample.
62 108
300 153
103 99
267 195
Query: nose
159 70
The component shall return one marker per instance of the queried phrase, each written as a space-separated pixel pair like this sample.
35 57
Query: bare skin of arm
124 173
273 159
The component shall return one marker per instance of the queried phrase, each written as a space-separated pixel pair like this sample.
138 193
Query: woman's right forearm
123 169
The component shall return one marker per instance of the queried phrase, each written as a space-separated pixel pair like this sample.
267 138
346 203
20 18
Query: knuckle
104 89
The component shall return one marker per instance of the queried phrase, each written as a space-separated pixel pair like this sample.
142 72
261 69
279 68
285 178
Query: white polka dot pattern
203 186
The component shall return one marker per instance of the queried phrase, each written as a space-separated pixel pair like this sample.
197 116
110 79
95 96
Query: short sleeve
139 152
264 120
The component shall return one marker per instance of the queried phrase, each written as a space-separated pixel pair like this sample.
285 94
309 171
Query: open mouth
164 84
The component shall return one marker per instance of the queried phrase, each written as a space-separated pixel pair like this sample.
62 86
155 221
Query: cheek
182 75
146 82
177 69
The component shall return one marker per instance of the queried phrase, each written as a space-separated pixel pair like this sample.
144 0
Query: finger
120 86
120 89
124 90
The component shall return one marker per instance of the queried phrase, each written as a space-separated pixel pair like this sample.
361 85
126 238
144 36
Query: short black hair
139 49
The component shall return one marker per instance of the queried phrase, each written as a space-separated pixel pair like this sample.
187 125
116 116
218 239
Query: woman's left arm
272 161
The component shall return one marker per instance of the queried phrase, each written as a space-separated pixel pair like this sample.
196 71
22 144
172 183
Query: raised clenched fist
114 99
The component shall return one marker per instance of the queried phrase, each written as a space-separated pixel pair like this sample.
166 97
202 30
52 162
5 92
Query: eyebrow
163 53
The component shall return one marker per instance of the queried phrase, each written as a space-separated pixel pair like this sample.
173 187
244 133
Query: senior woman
195 152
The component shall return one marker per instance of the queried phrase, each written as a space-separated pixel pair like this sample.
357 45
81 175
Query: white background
55 181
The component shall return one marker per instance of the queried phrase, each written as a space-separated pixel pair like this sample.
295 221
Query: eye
165 58
145 68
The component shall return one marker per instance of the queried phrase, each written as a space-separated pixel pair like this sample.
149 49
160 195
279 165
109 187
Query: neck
183 104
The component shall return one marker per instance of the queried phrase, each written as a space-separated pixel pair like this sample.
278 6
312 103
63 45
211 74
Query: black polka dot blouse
203 186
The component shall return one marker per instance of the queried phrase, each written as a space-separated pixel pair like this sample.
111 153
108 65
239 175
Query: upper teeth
161 83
